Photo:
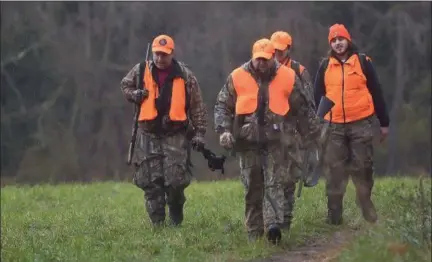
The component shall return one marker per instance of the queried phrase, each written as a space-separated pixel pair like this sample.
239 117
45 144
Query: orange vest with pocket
345 85
177 111
246 89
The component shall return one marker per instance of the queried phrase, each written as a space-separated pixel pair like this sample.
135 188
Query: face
162 60
263 65
281 54
339 45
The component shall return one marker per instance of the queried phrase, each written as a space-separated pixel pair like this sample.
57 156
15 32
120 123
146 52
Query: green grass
107 222
405 222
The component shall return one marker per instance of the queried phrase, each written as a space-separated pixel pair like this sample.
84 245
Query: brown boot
368 209
335 209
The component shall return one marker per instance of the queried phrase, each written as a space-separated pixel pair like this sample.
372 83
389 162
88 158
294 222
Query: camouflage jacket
305 78
197 111
246 128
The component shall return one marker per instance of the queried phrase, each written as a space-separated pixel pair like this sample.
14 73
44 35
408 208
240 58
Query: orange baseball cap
163 43
263 48
338 30
281 40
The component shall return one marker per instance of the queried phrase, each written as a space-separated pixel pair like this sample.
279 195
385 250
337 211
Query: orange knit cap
338 30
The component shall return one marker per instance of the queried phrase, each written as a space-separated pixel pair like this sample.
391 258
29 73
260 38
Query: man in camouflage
172 116
251 125
359 109
282 42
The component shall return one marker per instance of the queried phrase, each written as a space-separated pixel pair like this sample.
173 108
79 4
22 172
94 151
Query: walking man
172 108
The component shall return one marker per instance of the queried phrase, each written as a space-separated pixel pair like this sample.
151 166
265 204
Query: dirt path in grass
323 249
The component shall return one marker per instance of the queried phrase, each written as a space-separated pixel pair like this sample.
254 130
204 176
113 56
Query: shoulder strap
185 76
323 65
140 82
362 58
296 67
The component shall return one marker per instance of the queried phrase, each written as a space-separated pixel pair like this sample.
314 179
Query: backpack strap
324 64
296 67
363 58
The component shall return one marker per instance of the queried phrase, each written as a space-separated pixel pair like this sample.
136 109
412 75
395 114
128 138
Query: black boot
335 209
274 234
176 214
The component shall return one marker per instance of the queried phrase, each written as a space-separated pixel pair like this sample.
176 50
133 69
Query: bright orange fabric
163 43
247 91
177 110
346 86
281 40
263 48
338 30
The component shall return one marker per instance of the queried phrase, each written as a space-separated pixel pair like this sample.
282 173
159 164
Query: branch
16 58
12 85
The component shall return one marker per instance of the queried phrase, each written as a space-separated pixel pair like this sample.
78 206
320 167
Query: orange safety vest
177 111
247 91
345 84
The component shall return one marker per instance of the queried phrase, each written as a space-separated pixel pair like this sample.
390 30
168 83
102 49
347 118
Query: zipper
343 91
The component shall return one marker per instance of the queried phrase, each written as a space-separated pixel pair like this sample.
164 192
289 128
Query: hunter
248 115
349 79
172 115
283 42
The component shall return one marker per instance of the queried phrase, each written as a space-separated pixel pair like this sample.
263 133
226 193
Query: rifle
324 107
137 112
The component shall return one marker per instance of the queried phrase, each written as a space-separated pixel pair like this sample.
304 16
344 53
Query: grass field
107 222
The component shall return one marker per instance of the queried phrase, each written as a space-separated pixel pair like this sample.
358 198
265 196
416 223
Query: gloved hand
139 95
226 140
197 142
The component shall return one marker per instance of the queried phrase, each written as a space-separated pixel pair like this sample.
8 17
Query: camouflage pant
350 152
161 172
291 172
263 184
291 175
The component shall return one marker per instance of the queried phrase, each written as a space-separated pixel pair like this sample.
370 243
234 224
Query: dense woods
63 117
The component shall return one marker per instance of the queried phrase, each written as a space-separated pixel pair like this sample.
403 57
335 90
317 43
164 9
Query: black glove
197 142
139 95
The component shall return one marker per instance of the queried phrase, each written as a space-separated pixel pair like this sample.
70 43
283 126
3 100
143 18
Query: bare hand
384 133
226 140
139 95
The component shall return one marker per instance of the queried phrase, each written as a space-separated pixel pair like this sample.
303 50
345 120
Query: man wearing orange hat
171 104
282 42
248 115
349 79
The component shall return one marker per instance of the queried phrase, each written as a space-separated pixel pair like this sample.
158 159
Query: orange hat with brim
338 30
163 43
281 40
263 48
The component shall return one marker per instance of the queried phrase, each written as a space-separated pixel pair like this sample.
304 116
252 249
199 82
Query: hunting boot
335 209
255 235
176 214
274 234
367 207
286 225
